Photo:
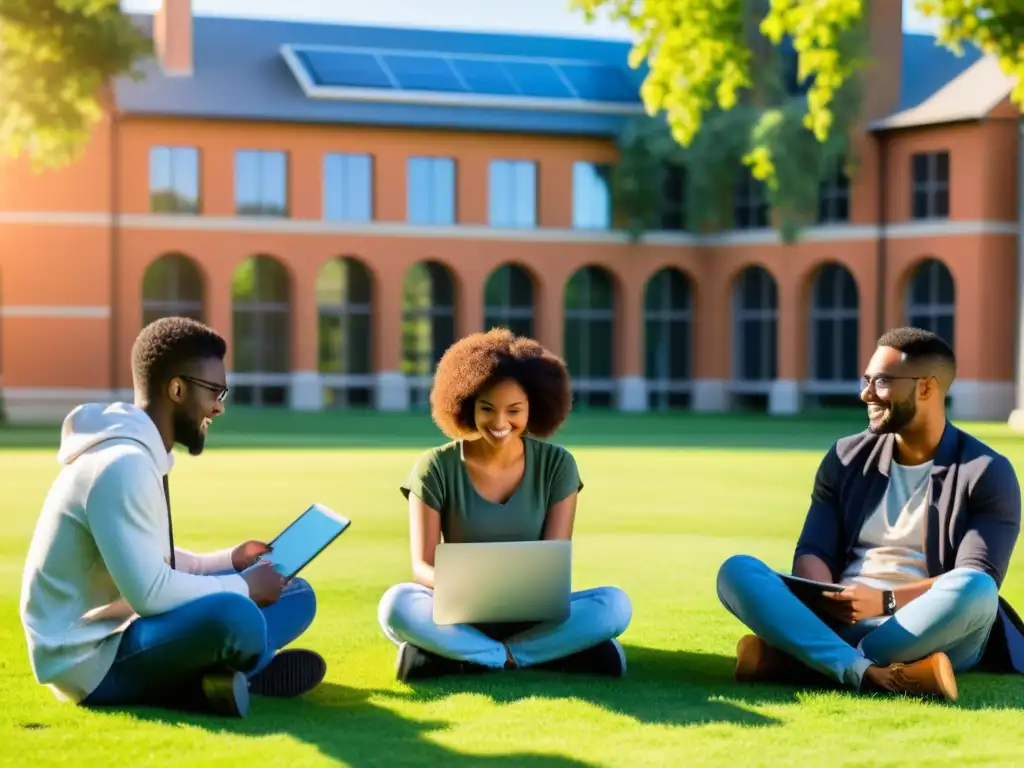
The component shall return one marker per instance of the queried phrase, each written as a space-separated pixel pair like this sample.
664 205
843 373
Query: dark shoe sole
405 662
227 693
291 673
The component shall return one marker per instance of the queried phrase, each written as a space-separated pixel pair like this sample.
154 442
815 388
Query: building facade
343 203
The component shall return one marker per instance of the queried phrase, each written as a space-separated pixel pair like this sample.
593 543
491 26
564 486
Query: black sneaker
292 672
606 658
416 664
226 693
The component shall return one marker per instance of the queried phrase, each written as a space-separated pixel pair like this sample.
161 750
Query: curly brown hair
474 363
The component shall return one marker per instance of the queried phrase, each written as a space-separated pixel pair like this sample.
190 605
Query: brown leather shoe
931 676
756 660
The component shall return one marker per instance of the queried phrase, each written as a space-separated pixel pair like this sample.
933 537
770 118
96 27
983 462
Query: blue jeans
596 615
161 659
955 616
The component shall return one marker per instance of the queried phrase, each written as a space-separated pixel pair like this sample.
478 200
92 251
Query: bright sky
543 16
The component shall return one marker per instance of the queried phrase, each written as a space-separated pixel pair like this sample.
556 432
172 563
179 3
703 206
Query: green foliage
56 56
994 26
713 92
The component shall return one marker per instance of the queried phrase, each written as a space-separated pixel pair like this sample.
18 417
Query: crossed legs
212 652
586 641
952 620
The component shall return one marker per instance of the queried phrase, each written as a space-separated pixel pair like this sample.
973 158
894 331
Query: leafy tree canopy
56 56
715 100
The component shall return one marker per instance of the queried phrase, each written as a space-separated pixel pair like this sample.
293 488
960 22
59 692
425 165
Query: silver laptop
502 582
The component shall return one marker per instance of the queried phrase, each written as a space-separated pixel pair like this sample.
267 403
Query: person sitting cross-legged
114 613
493 395
918 521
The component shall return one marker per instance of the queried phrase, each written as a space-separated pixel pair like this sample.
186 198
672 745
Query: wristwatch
888 602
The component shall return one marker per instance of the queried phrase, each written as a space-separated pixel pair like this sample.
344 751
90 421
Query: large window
750 205
591 196
428 325
930 188
834 195
755 336
261 332
172 287
674 182
508 300
931 300
261 183
835 326
344 295
512 193
348 187
174 180
431 190
668 339
589 335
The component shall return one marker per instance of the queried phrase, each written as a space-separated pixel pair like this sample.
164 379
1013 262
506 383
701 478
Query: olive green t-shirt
441 480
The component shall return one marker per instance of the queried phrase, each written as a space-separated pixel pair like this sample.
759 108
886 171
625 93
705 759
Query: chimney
172 36
884 72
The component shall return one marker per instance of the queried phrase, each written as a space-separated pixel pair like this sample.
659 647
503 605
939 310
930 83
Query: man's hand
265 584
245 554
855 603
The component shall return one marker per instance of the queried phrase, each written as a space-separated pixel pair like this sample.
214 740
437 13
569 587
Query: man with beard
917 521
113 613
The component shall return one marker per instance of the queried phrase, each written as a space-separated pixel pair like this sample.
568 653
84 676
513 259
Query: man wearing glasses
115 614
916 521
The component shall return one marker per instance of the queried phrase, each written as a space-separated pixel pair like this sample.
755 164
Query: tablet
808 590
309 535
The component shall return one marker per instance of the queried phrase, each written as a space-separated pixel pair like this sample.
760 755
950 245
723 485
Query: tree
711 69
56 58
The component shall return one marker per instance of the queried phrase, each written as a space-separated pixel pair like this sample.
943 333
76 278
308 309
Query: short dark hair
475 362
923 347
167 344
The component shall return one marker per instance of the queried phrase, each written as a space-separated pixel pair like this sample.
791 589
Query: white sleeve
206 563
124 511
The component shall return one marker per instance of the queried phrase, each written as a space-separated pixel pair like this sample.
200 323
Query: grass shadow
345 726
677 688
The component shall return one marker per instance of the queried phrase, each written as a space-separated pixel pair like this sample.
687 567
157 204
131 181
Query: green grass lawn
667 499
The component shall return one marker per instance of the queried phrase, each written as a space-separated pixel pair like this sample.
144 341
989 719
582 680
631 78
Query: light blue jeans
596 615
160 659
955 616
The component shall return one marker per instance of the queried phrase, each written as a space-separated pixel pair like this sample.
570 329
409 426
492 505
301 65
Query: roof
937 86
249 69
266 70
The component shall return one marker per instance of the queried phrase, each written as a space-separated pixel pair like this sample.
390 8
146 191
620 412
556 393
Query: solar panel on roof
484 76
341 68
539 80
423 73
599 83
466 75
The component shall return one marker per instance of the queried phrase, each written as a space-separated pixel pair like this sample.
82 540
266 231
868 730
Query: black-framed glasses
882 382
220 389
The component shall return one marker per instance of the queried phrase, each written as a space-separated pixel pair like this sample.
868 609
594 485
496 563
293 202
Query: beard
189 433
896 416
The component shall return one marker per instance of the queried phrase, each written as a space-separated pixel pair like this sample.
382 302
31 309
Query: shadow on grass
344 724
677 688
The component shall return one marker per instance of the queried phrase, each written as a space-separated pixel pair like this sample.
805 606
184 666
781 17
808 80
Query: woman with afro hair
494 394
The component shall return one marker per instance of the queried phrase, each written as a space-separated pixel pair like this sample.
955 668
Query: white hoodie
100 553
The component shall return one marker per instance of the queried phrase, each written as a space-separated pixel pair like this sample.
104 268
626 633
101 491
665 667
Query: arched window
508 300
755 308
931 300
344 295
261 332
835 326
668 339
428 325
172 287
589 335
